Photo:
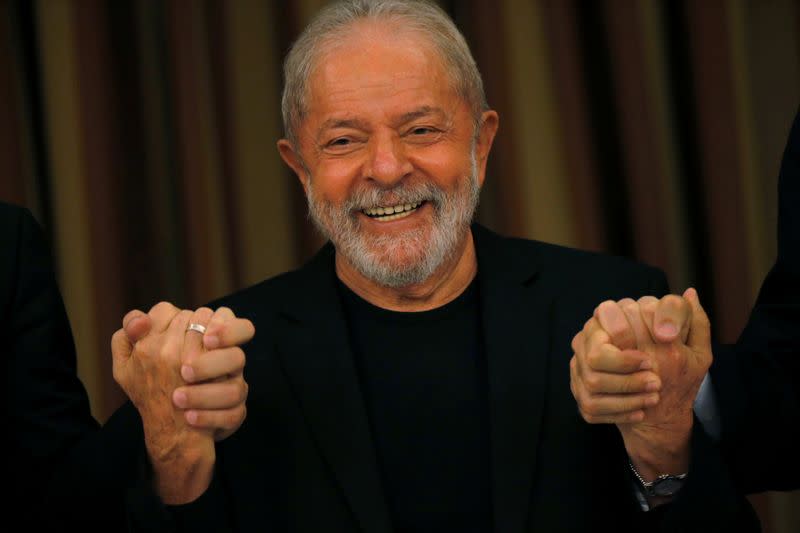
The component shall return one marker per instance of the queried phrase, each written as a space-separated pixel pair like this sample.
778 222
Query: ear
292 158
490 121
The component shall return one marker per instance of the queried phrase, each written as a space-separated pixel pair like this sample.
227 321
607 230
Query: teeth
392 212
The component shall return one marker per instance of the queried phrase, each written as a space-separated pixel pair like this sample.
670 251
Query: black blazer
65 472
757 381
304 460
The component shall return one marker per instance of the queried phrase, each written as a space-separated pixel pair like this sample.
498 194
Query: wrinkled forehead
374 53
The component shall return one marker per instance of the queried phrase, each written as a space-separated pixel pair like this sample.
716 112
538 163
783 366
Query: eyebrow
355 123
343 123
419 113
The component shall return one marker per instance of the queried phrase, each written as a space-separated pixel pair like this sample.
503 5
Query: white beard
377 257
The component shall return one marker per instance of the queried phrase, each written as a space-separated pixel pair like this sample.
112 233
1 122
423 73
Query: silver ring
199 328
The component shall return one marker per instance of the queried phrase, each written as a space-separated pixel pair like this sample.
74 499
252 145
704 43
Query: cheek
333 180
447 167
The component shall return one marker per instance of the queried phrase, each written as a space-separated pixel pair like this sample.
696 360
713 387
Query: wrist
658 451
183 472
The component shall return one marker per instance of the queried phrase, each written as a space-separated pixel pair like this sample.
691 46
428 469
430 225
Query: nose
388 163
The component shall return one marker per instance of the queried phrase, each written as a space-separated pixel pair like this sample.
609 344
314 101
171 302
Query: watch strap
663 485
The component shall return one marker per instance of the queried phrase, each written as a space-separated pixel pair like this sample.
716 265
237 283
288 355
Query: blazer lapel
516 320
315 352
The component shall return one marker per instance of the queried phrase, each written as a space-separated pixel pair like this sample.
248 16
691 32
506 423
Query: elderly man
414 376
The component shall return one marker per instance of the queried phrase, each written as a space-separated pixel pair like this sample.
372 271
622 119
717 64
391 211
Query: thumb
136 325
700 331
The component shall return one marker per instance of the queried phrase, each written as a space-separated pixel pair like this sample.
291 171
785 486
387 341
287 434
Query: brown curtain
142 136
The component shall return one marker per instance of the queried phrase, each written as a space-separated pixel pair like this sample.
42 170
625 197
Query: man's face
391 162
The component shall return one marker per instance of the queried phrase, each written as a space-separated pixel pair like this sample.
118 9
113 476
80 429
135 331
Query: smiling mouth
392 212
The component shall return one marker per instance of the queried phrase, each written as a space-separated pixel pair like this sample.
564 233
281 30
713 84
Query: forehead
378 68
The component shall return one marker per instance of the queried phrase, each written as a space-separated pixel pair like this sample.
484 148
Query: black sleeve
66 473
709 500
757 380
48 408
757 387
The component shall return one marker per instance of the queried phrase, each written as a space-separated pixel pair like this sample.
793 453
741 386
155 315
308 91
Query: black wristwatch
663 485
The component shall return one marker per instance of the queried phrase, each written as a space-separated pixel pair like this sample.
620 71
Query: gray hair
415 15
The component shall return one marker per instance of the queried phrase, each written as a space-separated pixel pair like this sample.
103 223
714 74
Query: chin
398 261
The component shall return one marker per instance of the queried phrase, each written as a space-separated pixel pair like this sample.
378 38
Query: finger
225 330
222 421
609 358
137 325
613 320
622 418
593 336
608 383
219 318
214 395
172 346
640 330
700 330
193 340
577 342
615 404
213 364
121 347
672 319
162 314
647 308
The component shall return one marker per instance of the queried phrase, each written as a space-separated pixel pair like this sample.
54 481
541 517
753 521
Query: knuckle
130 315
592 382
606 306
631 307
165 351
575 343
589 417
598 337
238 357
589 405
594 358
648 304
161 307
618 331
242 392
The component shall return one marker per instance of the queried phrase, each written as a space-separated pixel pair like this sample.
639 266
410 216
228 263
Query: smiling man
414 375
391 156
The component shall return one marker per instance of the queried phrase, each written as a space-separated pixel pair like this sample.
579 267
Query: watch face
666 486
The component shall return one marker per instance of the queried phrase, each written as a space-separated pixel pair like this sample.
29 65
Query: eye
422 130
341 141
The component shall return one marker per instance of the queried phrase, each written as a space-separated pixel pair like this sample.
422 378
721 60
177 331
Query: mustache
374 196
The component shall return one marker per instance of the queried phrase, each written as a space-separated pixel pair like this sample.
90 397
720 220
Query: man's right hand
188 388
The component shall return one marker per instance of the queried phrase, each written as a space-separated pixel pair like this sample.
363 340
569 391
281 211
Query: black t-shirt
423 377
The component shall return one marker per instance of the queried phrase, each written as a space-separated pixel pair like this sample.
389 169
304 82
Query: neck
443 286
